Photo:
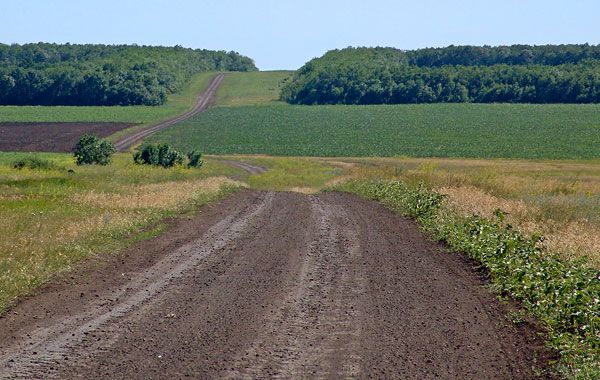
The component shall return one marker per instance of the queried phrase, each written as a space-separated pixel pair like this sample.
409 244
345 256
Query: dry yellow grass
160 196
559 199
51 219
572 239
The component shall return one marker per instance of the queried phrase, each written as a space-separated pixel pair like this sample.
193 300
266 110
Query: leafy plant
194 159
34 162
91 149
528 131
563 295
166 156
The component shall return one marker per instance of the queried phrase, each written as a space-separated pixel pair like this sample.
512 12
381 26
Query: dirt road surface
202 103
271 285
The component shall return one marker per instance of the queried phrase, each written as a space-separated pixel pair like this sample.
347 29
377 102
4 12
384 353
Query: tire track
202 103
45 349
278 285
317 330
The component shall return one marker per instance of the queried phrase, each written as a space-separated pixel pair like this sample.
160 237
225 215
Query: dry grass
558 199
159 196
51 219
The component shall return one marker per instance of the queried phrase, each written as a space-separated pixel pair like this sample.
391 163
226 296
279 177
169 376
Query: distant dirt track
272 285
202 103
50 137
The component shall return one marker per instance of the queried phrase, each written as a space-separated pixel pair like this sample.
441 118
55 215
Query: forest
455 74
104 75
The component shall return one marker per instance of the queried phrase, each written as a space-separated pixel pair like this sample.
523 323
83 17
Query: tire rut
277 285
317 329
47 348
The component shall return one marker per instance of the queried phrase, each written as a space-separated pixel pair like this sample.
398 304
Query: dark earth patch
50 137
273 285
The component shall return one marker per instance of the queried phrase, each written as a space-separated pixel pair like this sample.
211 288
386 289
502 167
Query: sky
284 34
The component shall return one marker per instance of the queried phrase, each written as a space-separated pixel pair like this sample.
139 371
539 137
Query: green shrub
194 159
34 162
91 149
166 156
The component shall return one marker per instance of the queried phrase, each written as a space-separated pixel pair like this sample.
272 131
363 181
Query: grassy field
254 88
175 105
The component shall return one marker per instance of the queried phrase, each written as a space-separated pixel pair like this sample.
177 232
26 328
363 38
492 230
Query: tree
92 150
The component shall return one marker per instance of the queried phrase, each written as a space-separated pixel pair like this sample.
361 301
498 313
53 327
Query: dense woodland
455 74
103 75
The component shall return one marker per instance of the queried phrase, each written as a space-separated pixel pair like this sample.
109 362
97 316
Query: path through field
202 103
271 285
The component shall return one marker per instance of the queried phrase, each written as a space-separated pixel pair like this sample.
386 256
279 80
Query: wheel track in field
202 103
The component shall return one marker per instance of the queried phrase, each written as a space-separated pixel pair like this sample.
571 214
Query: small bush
194 159
34 162
91 149
166 156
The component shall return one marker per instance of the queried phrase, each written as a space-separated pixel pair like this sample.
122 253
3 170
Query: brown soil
272 285
50 137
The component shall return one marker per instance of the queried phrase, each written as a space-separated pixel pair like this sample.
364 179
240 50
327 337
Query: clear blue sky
283 34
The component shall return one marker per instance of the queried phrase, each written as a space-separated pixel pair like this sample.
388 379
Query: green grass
252 88
301 174
176 104
435 130
53 218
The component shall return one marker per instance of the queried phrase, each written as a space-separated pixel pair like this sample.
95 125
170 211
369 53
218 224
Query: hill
104 75
456 74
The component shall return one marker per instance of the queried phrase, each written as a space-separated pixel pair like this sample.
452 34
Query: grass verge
252 88
563 295
58 214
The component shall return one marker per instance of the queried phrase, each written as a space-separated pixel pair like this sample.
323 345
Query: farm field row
436 130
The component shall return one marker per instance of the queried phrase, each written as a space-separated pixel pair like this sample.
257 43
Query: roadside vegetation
456 74
56 213
563 295
91 150
166 156
104 75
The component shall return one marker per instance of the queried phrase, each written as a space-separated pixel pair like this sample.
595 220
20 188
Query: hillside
104 75
456 74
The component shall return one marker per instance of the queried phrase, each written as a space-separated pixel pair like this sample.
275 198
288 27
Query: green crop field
429 130
175 105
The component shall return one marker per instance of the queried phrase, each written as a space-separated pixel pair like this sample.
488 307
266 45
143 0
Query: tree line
456 74
104 75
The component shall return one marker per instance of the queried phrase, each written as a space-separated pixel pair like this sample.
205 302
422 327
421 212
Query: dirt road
271 285
202 103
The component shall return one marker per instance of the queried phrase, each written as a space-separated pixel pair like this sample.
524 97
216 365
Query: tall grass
52 218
